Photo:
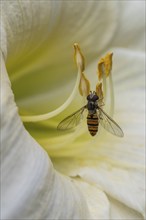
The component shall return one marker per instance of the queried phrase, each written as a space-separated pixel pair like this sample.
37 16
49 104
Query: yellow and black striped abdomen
92 122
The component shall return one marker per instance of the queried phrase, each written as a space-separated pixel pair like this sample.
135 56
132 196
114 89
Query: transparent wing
72 120
109 124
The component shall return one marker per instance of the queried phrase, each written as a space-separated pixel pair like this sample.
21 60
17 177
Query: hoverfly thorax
92 102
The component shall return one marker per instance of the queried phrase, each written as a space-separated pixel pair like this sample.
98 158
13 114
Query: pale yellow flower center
104 71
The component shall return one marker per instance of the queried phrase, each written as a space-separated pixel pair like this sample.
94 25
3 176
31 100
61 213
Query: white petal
97 200
131 28
19 49
120 211
30 186
127 186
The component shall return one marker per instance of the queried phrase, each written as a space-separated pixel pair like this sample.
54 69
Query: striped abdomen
92 122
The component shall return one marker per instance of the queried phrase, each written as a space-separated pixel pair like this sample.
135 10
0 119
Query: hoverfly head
92 96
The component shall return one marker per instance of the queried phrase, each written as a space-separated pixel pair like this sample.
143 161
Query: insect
95 116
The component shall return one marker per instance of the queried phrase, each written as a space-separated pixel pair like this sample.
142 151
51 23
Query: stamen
100 69
79 58
108 63
80 64
99 93
104 71
84 86
102 75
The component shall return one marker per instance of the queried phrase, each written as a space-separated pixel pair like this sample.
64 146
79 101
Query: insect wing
109 124
72 120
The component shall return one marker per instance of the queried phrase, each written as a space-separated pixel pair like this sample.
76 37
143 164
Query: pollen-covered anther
101 68
79 58
99 93
84 86
108 63
99 90
105 66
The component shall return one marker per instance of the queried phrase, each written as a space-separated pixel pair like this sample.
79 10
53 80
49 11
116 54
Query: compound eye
88 97
95 97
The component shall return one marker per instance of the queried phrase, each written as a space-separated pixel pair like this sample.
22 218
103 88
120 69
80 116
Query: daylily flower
71 175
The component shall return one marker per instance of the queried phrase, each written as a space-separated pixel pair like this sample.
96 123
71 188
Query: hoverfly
96 116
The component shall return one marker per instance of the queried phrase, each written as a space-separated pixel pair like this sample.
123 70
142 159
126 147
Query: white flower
88 178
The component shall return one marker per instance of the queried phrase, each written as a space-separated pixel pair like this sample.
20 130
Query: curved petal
23 54
30 186
97 200
121 211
